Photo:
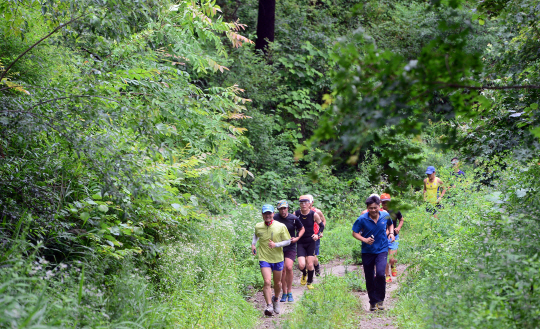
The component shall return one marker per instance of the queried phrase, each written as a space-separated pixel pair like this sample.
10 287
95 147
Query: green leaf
84 216
103 208
97 196
534 106
481 21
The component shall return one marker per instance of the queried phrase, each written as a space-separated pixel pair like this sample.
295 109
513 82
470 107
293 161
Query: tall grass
199 280
330 305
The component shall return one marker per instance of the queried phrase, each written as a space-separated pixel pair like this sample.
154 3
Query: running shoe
269 310
394 271
275 303
290 299
310 286
283 298
303 281
388 279
380 306
372 307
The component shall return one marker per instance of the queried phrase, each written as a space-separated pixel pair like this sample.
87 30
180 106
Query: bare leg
301 263
277 283
267 288
316 261
287 277
310 260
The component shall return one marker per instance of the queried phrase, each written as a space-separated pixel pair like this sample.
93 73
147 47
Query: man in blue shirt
370 228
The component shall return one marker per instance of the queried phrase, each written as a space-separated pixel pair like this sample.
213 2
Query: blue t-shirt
367 226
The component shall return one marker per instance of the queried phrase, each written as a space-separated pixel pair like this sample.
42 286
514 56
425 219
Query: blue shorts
317 246
393 245
274 266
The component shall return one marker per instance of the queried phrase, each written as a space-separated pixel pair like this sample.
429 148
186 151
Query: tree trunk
265 24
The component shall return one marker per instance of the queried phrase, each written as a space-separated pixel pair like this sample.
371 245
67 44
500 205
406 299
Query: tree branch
66 97
35 44
453 85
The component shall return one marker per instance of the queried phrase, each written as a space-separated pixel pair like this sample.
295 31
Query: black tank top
308 221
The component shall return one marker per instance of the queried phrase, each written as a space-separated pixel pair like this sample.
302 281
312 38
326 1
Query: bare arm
300 233
322 217
444 188
425 189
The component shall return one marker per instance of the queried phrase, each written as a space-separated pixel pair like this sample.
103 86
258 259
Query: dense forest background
138 141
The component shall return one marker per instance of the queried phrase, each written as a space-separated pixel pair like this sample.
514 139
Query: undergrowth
330 305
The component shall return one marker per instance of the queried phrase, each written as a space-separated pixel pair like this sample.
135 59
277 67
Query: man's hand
321 235
294 240
315 237
369 241
271 244
397 229
253 249
393 238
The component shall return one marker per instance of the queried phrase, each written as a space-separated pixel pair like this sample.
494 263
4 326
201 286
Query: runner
432 184
306 244
365 210
293 225
392 246
370 228
270 255
316 230
457 172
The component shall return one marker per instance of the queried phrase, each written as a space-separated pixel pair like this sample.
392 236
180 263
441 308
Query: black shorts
305 249
291 254
432 208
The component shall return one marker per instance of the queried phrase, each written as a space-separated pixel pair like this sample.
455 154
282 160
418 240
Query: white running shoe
269 310
275 302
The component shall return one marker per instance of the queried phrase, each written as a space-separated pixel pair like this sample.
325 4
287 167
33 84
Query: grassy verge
330 305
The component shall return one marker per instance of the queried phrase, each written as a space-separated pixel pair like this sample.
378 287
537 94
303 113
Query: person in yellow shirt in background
270 255
432 186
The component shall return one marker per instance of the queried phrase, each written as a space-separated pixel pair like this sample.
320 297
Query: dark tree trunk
265 24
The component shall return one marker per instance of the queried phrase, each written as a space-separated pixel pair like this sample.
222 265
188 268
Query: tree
265 24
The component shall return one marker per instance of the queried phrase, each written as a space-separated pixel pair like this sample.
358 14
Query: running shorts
317 247
393 245
305 249
274 266
291 254
432 208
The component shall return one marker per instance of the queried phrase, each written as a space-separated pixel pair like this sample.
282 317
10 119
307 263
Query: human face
431 176
283 211
373 209
305 205
268 216
384 205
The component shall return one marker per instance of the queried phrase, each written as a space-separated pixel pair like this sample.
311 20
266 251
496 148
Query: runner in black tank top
307 221
305 248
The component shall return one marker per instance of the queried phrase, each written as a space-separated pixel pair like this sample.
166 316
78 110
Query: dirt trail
369 320
335 267
372 320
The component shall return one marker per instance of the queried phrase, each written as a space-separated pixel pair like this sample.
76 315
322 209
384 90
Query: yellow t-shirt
432 190
276 232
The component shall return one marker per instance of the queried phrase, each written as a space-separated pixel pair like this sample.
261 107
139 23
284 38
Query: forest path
372 320
334 267
368 320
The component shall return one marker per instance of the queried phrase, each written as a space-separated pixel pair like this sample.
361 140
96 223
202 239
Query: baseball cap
430 170
304 198
267 208
282 204
385 197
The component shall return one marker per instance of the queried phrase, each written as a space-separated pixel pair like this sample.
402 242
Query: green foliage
474 265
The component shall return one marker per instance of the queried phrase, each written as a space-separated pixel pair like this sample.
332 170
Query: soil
368 320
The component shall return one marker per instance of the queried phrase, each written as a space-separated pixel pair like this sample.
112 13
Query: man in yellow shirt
432 191
270 255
